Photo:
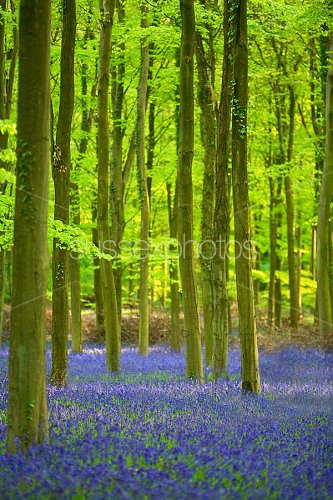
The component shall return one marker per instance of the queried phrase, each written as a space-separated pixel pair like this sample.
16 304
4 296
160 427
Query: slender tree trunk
208 135
330 260
293 289
173 226
245 298
326 193
256 259
75 277
111 321
27 405
173 273
5 109
61 175
299 262
117 182
278 259
318 76
194 367
99 309
143 192
273 256
149 168
2 144
221 215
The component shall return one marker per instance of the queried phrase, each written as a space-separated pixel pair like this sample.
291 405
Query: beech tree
6 94
206 100
61 177
324 230
27 406
111 321
194 367
75 272
173 273
143 190
245 294
221 214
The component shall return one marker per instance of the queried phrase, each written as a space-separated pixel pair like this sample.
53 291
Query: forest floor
159 328
148 433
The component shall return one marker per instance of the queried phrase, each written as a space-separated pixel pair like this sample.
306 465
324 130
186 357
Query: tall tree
326 194
27 406
74 262
221 215
117 182
6 93
173 273
194 367
143 189
2 143
206 100
245 295
61 176
286 130
111 322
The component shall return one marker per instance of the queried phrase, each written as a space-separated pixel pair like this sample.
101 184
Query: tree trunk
3 144
330 260
326 193
27 406
221 215
278 289
117 181
75 277
208 131
245 298
6 92
194 367
293 289
272 256
173 273
61 174
299 263
143 192
111 321
2 63
99 308
318 78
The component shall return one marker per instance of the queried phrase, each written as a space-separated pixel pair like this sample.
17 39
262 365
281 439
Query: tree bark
173 273
272 256
99 308
143 192
245 296
278 289
5 110
326 193
27 405
75 277
75 274
194 367
221 215
293 289
208 137
117 182
61 175
111 321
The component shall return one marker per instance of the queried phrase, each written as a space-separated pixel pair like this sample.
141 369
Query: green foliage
279 57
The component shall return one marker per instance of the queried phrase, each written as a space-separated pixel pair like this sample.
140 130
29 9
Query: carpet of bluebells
149 434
